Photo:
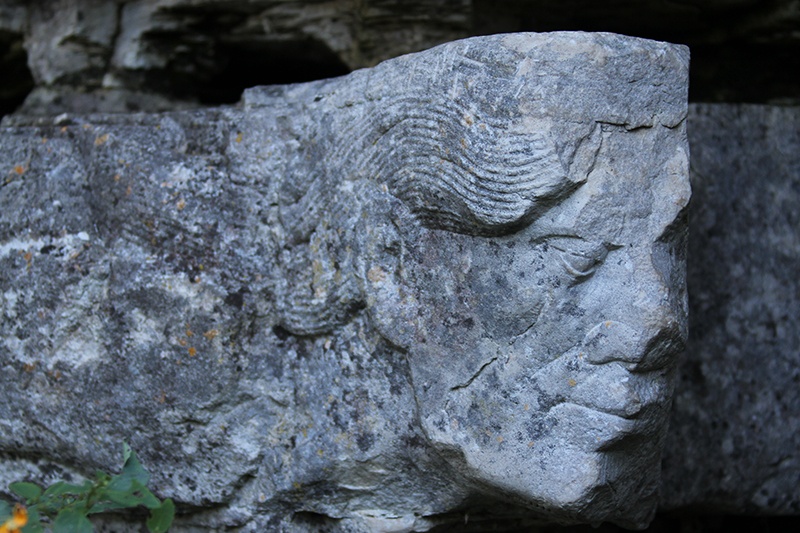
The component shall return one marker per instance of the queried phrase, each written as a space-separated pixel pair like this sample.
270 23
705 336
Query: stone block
453 282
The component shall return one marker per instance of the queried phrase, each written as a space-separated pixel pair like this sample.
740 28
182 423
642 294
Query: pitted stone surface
453 281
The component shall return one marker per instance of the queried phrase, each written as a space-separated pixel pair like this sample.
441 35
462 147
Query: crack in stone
478 373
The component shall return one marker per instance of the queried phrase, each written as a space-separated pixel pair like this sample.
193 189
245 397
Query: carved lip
633 397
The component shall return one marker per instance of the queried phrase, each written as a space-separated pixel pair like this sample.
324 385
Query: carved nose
641 349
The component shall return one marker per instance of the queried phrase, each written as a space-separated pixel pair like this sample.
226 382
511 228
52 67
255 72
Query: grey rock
455 281
734 442
172 47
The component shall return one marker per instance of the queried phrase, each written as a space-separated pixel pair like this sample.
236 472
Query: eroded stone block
453 281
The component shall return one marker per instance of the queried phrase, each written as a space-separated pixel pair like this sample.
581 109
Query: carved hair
463 172
456 169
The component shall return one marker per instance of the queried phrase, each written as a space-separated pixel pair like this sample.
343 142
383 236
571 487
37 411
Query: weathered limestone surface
451 282
734 442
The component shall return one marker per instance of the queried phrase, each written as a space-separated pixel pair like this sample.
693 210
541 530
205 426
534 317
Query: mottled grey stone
734 443
453 282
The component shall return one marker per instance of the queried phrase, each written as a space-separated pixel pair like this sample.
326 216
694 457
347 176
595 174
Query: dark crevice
250 64
214 73
213 55
17 80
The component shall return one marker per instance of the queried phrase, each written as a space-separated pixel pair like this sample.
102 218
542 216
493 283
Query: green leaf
33 525
138 494
61 488
126 452
161 517
5 511
105 506
30 492
132 470
72 521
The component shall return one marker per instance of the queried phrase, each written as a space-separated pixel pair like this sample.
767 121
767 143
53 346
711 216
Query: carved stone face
542 360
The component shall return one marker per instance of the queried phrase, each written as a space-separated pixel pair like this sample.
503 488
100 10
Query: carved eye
580 258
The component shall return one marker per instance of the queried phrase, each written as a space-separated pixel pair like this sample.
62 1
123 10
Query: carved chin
585 427
586 456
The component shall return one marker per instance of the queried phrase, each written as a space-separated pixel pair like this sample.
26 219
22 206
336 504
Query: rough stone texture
734 442
451 282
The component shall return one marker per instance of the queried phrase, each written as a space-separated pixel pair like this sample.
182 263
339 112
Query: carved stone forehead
481 136
561 76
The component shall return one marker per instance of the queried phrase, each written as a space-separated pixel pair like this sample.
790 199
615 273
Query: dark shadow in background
742 52
250 64
17 81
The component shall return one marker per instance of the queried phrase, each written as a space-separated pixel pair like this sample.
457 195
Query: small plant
65 507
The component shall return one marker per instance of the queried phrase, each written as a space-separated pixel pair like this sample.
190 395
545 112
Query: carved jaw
553 411
581 429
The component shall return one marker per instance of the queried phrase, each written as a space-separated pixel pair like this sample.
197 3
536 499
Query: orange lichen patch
192 351
28 257
239 137
500 439
29 367
64 129
183 342
571 382
19 517
180 204
189 332
128 191
117 177
20 169
211 334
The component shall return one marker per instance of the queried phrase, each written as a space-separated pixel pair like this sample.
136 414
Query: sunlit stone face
542 360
